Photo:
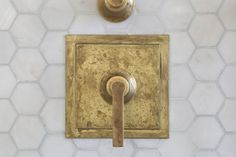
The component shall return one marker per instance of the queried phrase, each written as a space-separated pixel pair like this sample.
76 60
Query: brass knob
117 88
116 10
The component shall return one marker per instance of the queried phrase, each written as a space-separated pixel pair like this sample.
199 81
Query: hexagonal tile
7 81
206 6
53 81
57 145
105 149
28 132
181 115
53 115
227 14
7 14
146 24
227 47
176 14
206 132
181 47
179 145
206 30
28 154
227 115
27 30
181 81
206 98
149 153
86 153
151 6
54 51
28 65
227 147
86 143
227 81
57 14
85 24
7 115
7 147
28 98
146 143
205 153
84 5
123 27
7 47
28 6
206 64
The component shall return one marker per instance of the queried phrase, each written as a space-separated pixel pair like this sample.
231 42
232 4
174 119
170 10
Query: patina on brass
116 10
89 58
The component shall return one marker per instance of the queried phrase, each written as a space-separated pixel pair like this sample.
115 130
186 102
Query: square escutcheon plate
90 57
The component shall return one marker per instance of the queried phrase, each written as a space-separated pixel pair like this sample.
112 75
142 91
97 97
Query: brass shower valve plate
89 58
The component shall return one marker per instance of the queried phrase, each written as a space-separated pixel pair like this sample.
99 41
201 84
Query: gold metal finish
116 10
89 59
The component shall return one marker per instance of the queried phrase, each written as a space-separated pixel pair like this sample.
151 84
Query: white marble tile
7 147
146 143
28 132
27 30
176 14
105 149
149 153
227 115
7 115
206 64
87 24
7 14
28 98
227 14
227 47
205 153
54 52
57 14
181 47
181 81
53 81
206 30
181 115
227 147
206 6
206 98
206 132
28 64
86 153
85 5
86 143
28 154
7 81
150 6
57 145
28 6
178 145
147 24
227 81
53 115
7 47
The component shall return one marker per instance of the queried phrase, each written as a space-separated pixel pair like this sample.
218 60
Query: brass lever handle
118 87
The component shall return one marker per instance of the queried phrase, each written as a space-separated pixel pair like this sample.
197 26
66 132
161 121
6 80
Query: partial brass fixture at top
116 10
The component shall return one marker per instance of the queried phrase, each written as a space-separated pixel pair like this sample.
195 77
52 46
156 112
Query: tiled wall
202 76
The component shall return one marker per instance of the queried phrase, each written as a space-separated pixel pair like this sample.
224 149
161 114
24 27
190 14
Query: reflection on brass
89 59
116 10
